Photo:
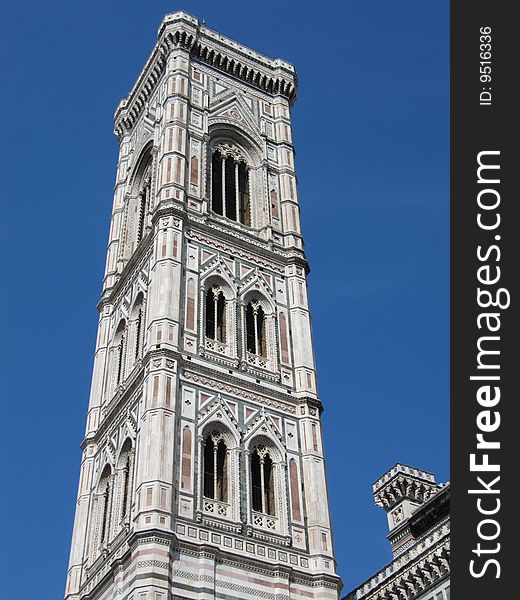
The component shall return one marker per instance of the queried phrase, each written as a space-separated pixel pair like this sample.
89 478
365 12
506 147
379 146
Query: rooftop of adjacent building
425 525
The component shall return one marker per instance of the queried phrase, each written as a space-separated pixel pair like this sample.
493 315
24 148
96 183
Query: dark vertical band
485 268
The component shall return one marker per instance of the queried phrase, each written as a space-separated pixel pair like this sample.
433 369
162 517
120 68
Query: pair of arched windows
113 498
127 344
215 482
255 322
230 186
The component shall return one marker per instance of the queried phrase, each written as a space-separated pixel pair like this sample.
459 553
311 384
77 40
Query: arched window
124 474
230 186
255 329
215 468
126 486
105 493
139 203
138 333
262 481
119 352
137 318
215 314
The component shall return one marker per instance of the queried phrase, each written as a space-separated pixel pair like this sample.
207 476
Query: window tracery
230 184
256 329
215 467
215 314
262 481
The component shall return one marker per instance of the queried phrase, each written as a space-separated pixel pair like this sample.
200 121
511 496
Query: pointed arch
139 201
138 326
262 481
119 352
235 160
104 490
255 325
215 480
124 480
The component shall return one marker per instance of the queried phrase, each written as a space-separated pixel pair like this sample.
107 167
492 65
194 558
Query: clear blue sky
371 134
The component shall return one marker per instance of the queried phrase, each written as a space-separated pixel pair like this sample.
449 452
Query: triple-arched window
230 185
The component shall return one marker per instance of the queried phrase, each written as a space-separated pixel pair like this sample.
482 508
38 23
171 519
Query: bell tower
202 472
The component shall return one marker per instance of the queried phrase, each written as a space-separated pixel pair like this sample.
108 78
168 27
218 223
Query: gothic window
144 199
126 485
105 494
139 204
137 318
255 329
215 314
124 481
119 352
262 481
215 468
230 185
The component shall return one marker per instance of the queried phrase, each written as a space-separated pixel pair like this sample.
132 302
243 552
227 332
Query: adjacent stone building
418 512
202 473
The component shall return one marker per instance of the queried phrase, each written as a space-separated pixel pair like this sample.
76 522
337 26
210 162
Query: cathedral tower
202 471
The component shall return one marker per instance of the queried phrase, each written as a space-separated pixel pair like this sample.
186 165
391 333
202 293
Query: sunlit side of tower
202 472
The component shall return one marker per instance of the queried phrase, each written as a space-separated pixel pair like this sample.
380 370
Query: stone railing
265 521
216 346
215 508
412 572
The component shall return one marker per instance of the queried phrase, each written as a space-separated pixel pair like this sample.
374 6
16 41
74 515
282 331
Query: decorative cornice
198 374
182 31
257 251
403 482
410 575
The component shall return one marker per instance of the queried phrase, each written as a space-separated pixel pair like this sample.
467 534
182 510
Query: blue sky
371 129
